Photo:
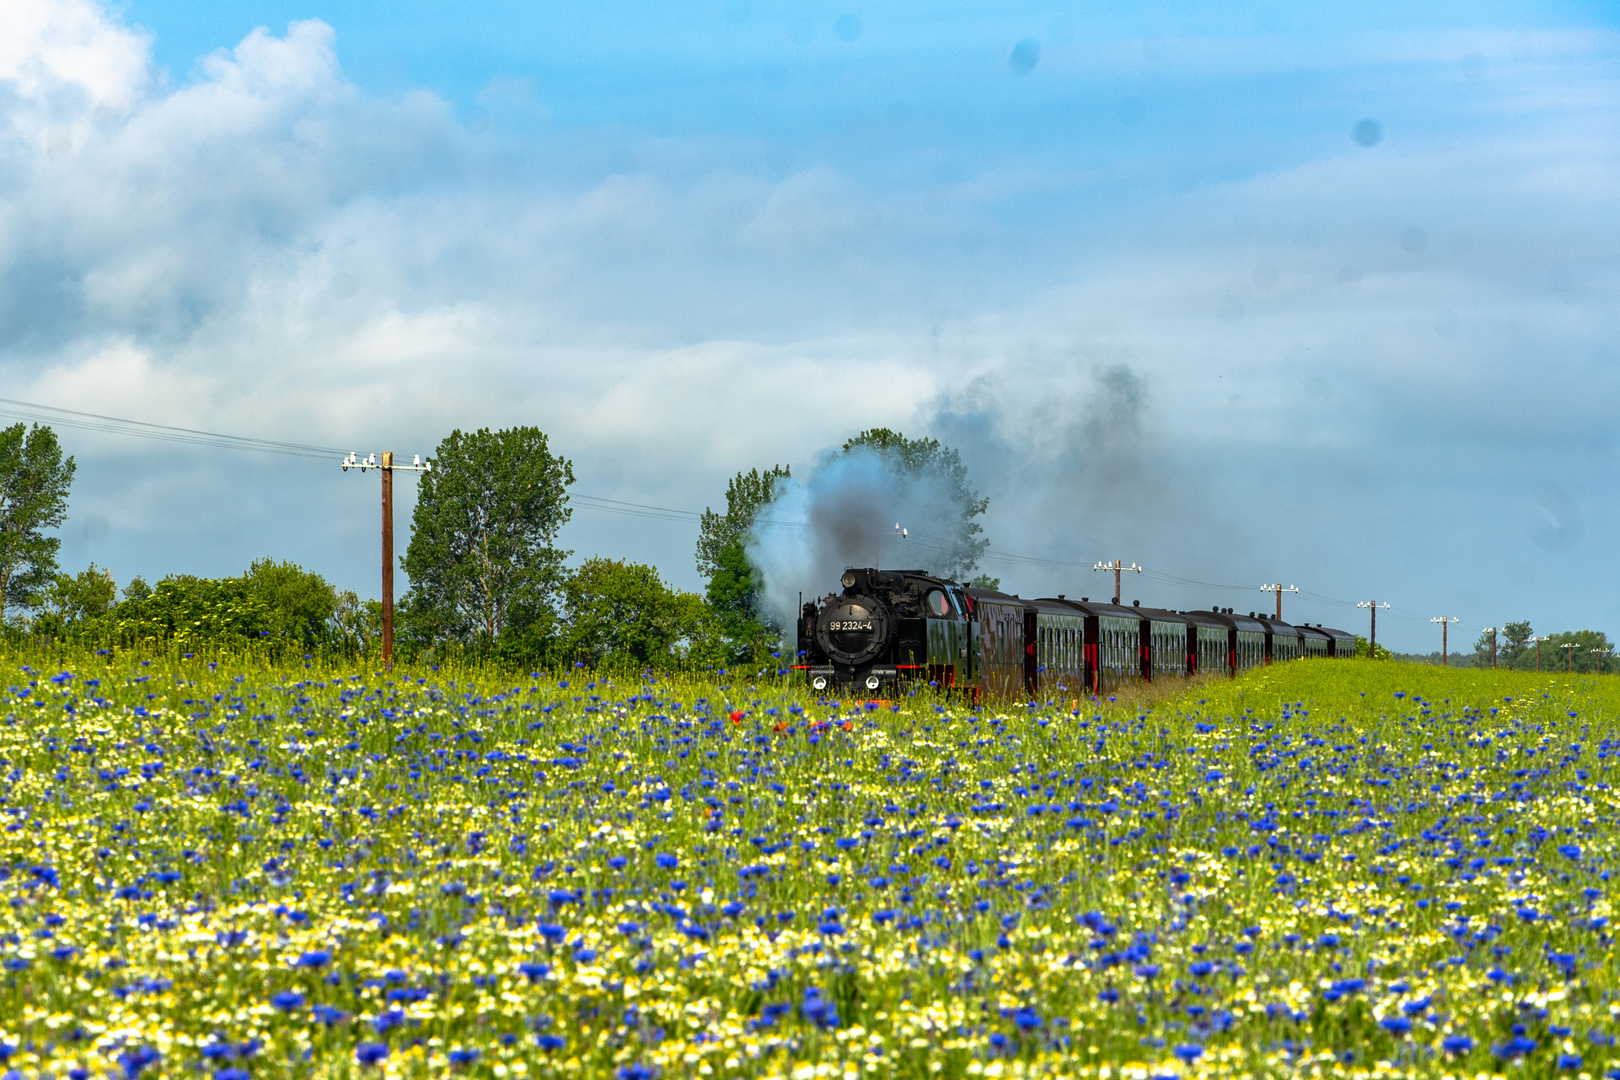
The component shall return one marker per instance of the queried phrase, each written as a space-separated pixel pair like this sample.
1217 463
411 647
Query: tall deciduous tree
483 558
928 459
34 482
734 585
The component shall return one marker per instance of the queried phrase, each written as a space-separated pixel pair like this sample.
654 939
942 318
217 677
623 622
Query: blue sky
1131 258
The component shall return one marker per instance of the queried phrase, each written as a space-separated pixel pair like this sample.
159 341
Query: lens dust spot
1367 132
1414 241
1025 55
1131 111
847 29
344 286
800 31
1265 276
736 11
1446 323
1473 66
1231 308
1347 278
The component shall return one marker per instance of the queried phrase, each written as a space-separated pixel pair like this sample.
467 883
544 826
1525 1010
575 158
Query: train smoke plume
844 514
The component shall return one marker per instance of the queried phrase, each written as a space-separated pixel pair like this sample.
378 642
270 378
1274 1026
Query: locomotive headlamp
848 579
873 682
819 682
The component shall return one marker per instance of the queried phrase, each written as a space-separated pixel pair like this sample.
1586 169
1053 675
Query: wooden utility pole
1538 641
387 466
1445 646
1117 567
1569 657
388 557
1372 642
1279 590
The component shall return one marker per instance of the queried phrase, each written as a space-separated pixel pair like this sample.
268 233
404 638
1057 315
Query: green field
1320 868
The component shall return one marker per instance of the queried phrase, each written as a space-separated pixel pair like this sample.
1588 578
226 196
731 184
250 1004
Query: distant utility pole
1569 657
1491 630
1372 641
1444 647
1538 641
1601 651
387 466
1279 590
1117 567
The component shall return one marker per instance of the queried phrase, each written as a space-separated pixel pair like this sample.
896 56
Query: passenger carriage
1282 640
899 626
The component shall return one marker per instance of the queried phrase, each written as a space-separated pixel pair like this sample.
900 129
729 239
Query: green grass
212 867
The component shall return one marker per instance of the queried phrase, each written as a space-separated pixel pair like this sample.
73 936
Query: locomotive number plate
850 624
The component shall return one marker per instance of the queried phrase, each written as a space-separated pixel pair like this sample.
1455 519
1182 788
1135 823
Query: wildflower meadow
224 868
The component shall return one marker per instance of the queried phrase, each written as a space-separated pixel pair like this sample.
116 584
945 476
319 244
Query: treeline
487 579
276 607
1519 648
610 613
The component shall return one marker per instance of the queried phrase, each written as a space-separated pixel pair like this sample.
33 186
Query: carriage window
937 602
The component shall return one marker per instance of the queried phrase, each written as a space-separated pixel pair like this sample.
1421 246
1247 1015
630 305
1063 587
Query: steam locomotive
892 626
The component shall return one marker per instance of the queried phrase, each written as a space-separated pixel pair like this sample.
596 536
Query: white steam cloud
845 514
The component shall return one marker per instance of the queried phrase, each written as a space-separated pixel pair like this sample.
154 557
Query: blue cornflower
1518 1046
328 1015
287 1000
370 1053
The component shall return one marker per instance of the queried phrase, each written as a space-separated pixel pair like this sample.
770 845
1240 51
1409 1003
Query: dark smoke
845 514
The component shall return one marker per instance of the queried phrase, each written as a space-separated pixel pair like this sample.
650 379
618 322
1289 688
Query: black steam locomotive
889 626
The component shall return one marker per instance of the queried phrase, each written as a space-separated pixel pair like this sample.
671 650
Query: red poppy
736 717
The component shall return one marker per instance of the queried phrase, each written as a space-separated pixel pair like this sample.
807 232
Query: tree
927 459
355 626
300 603
74 603
1516 650
622 614
34 482
483 559
1582 657
195 611
1363 649
734 585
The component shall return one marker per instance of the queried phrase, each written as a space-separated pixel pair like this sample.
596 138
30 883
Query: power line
88 421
